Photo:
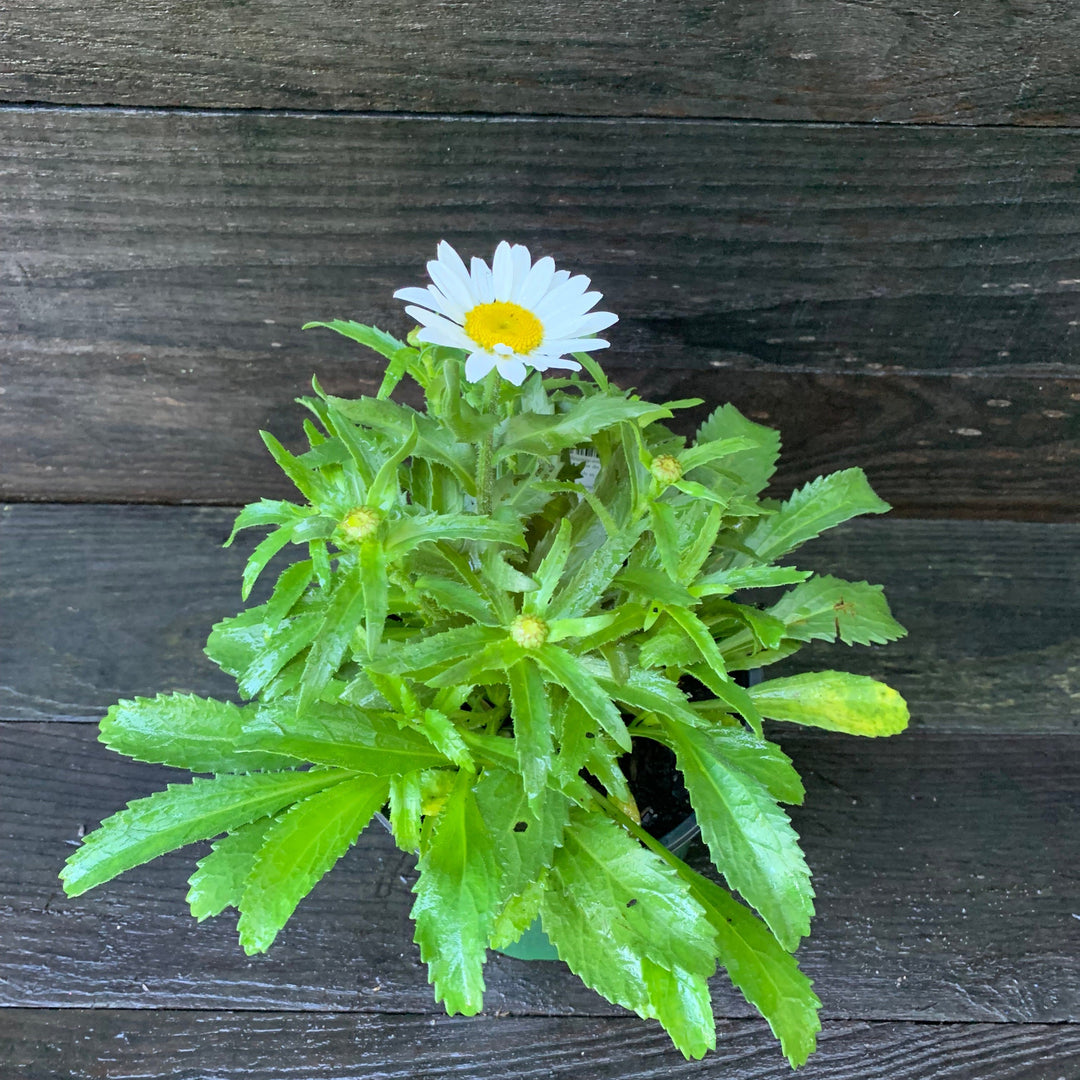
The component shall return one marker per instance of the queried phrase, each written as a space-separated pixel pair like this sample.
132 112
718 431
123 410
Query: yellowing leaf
835 700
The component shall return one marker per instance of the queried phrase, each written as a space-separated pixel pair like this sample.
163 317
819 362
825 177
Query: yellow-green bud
529 631
666 469
361 523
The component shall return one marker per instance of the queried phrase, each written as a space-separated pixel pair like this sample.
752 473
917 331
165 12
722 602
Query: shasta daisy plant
466 637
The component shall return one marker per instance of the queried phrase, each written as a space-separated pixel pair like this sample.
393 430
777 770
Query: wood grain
103 1044
877 293
945 869
922 62
102 602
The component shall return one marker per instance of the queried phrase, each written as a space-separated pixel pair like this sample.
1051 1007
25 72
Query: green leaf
486 666
550 570
590 625
291 584
531 710
681 1002
406 809
503 576
721 500
376 595
820 505
304 478
825 608
753 467
835 700
371 336
218 881
182 814
703 453
344 736
694 553
426 657
666 534
266 512
724 582
445 737
591 580
271 651
525 833
264 551
457 598
729 692
701 636
456 896
750 838
653 587
650 692
298 850
434 441
566 671
408 533
615 912
532 433
187 732
340 620
385 485
761 969
589 363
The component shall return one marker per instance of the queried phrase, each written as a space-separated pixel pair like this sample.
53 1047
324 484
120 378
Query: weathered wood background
858 221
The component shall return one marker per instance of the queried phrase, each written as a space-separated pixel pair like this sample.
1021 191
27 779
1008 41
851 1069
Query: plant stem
484 464
637 831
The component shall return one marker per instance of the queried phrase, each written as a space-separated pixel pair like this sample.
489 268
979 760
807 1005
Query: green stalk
484 463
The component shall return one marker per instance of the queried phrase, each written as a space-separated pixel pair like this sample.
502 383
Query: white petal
413 295
439 331
502 271
565 345
483 285
433 299
478 365
555 362
522 265
562 296
450 284
536 282
454 263
511 369
595 322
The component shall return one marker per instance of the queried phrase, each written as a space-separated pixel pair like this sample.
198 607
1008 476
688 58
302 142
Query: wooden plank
105 1044
877 293
887 61
102 602
945 869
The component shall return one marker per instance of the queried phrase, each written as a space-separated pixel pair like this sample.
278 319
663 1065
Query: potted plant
476 639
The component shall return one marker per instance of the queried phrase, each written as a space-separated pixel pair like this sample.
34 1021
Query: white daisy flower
513 314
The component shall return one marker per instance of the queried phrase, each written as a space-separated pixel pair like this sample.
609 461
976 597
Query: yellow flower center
528 631
504 323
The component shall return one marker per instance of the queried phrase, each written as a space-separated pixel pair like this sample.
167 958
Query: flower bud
666 469
529 631
361 523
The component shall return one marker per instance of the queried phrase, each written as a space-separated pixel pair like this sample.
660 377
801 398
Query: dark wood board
945 868
877 293
101 602
923 62
100 1044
